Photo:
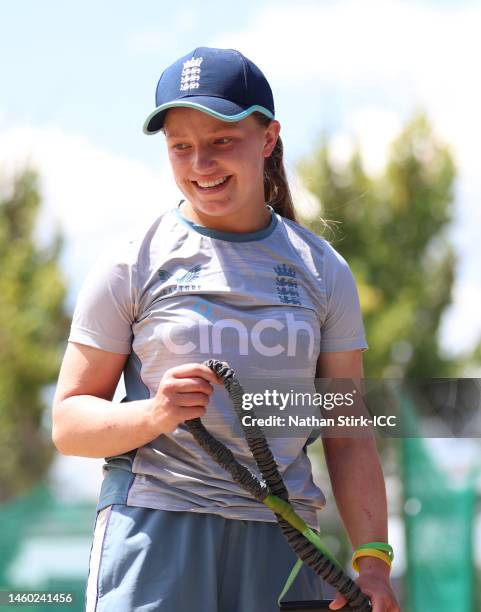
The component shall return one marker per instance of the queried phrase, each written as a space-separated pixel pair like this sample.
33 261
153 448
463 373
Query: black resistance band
272 492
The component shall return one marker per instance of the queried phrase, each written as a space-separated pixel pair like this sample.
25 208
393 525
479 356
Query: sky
78 79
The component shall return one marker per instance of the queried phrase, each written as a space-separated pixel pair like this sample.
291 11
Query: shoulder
110 295
144 237
313 249
124 261
143 242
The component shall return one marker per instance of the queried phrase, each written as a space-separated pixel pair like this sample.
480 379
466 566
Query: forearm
360 493
358 486
89 426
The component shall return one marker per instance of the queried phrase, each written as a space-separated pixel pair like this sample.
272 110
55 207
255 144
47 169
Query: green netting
15 516
439 522
39 514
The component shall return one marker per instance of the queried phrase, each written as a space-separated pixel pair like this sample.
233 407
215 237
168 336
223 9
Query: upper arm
88 371
100 337
343 364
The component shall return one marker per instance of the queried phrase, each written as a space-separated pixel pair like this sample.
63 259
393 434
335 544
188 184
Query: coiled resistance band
272 492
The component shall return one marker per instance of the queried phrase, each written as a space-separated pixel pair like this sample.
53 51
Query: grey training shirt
267 302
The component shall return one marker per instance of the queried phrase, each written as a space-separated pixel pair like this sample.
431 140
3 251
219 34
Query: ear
271 136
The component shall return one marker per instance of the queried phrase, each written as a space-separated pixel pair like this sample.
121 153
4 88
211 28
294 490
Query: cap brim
216 107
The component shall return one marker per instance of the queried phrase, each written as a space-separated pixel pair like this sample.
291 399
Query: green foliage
33 327
392 231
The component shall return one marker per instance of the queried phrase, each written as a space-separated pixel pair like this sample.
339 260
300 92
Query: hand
183 393
375 583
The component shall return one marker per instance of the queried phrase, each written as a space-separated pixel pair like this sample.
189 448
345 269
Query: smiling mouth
213 185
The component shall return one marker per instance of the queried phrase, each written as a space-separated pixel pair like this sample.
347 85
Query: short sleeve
343 327
104 311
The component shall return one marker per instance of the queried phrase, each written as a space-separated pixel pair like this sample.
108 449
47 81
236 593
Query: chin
212 206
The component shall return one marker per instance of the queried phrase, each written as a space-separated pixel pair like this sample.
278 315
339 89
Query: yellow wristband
369 552
382 546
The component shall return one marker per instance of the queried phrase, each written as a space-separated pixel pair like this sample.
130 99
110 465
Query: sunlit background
76 83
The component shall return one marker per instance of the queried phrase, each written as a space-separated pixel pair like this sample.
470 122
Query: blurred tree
396 245
33 326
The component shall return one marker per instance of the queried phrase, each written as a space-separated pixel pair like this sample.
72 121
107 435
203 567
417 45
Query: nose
204 160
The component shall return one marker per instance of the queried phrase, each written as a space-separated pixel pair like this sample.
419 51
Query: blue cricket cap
220 82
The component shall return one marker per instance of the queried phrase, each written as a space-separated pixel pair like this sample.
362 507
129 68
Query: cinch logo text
268 337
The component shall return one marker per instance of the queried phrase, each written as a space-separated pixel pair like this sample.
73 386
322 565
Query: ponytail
276 188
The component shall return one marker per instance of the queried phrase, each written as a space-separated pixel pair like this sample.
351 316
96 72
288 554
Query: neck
240 222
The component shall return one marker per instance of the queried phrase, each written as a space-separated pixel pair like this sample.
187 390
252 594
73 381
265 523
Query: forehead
182 121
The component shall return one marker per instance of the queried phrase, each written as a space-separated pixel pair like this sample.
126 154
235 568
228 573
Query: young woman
227 274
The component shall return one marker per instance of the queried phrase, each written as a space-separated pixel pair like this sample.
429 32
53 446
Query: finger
379 604
338 602
384 605
193 412
194 384
190 399
188 370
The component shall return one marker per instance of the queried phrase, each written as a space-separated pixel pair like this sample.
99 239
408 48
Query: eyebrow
222 128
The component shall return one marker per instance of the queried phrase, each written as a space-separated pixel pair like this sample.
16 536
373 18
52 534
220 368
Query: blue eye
223 140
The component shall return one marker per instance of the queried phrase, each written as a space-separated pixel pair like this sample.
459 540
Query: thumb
337 603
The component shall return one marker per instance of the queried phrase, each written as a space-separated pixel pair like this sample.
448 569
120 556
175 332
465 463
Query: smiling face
219 167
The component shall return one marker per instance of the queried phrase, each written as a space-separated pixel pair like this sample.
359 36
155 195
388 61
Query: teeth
212 183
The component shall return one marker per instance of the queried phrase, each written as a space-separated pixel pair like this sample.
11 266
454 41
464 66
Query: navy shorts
156 560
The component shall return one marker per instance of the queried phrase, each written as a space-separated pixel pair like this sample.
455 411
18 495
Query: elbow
59 441
58 435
